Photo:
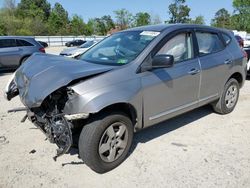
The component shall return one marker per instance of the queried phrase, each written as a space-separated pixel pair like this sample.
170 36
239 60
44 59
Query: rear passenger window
180 46
208 43
226 38
7 43
23 43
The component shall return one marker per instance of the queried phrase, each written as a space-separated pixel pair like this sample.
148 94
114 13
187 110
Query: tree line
38 17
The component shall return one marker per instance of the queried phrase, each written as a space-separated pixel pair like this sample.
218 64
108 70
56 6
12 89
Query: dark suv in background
15 50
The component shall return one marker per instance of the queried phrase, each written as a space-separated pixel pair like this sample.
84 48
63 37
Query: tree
142 18
123 18
108 22
10 6
88 30
198 20
99 25
58 20
179 12
222 19
77 26
34 8
241 18
102 25
2 27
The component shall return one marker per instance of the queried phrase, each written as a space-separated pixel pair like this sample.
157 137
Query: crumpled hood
43 74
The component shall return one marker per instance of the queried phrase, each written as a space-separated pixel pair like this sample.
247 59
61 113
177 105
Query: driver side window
180 46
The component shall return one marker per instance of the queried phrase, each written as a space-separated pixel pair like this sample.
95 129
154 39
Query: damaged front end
42 84
51 120
49 117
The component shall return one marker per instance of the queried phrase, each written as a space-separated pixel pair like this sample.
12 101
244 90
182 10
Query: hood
70 51
43 74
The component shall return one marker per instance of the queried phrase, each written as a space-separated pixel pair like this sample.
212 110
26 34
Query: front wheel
105 142
229 97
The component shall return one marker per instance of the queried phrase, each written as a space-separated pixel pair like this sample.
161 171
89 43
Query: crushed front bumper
56 129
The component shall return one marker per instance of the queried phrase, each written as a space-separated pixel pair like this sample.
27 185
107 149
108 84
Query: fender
93 102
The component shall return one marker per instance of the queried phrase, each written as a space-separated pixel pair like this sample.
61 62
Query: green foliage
37 17
34 8
77 25
58 20
2 28
179 12
198 20
222 19
103 25
123 18
241 18
142 18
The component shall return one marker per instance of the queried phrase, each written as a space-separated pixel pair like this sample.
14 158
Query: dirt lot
197 149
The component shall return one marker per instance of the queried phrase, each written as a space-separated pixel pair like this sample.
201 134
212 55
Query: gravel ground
197 149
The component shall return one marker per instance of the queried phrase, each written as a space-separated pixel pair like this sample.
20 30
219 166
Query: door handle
193 71
228 61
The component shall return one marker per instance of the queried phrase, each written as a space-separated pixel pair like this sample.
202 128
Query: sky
97 8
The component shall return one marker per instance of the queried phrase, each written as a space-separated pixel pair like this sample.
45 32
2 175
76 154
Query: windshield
119 48
87 44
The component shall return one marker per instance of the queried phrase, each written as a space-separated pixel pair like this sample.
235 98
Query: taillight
42 50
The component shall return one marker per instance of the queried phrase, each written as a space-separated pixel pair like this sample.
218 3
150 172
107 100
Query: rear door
215 62
9 53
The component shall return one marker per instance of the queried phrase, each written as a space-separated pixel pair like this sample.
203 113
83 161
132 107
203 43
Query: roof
16 37
162 27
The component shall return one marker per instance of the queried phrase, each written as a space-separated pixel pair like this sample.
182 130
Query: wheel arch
25 56
237 76
126 108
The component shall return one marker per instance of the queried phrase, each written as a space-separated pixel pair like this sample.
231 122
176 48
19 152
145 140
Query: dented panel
43 74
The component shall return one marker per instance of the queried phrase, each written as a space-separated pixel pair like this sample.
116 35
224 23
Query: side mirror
162 61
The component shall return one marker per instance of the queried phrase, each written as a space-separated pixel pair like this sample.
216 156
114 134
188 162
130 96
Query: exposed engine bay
50 119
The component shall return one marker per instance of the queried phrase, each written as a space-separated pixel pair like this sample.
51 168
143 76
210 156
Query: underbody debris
50 119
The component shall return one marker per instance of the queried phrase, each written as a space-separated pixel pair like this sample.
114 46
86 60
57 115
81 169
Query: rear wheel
229 98
104 142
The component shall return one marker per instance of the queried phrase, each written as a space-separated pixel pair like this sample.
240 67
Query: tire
71 45
229 97
98 142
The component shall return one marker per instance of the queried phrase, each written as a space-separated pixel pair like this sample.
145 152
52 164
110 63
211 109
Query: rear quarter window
208 43
227 39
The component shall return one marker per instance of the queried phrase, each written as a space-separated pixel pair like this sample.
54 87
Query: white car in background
247 41
74 52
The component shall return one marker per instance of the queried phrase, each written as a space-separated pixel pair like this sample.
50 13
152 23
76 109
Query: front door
170 91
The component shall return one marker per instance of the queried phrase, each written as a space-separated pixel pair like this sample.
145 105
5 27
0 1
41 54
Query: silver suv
15 50
129 81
